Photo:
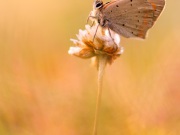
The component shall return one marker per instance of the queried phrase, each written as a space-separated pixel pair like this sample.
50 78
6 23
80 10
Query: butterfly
129 18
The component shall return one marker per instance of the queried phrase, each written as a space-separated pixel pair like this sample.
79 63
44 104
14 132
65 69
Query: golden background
45 91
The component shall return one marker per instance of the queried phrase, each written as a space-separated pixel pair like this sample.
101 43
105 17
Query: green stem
102 60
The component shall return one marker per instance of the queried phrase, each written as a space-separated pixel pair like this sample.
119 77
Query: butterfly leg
90 16
115 49
92 24
95 33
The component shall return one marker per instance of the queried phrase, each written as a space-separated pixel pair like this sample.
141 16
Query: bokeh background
45 91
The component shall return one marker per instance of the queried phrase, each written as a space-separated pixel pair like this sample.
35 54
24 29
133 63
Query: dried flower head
105 43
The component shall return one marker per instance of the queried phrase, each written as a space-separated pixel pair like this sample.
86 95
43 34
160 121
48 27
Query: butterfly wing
132 18
158 6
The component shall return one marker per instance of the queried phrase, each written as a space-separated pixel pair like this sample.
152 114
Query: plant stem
102 60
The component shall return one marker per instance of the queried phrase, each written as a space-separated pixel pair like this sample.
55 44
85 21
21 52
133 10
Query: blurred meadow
45 91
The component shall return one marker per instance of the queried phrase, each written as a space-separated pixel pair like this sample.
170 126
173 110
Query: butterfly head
98 4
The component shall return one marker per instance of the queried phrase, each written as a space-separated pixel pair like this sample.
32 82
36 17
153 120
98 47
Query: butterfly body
129 18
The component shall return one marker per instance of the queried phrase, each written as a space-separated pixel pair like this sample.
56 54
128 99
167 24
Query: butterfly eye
98 5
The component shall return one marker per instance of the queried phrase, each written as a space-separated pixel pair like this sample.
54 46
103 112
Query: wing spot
138 21
123 25
117 6
111 10
139 11
131 0
131 5
132 32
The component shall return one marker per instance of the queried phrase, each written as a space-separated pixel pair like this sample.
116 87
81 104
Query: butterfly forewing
132 18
